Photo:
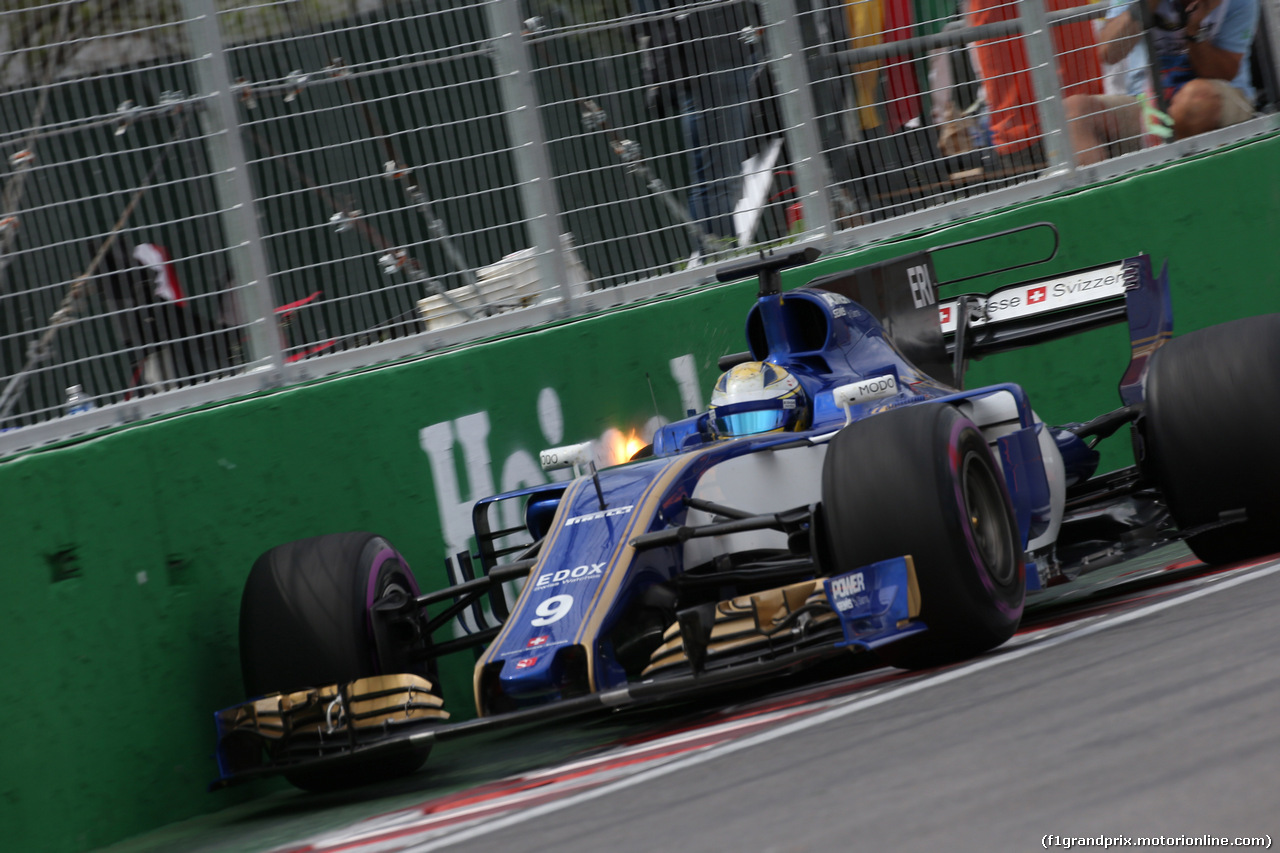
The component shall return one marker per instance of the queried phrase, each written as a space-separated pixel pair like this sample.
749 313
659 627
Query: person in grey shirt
1202 49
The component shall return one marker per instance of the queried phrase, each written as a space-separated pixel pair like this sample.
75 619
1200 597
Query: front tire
920 480
305 621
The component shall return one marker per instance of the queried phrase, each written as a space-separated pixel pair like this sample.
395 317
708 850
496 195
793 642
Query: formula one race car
842 495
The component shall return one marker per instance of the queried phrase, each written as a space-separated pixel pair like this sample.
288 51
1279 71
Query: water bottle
77 401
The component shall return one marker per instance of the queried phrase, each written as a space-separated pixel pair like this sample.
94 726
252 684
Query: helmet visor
757 416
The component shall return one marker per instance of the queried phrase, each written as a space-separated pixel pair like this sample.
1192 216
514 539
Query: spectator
849 99
698 59
164 334
1201 56
1006 80
1126 75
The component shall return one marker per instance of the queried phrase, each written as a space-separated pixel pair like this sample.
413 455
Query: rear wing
1044 309
940 336
1033 312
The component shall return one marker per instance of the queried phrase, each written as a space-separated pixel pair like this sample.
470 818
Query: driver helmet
757 397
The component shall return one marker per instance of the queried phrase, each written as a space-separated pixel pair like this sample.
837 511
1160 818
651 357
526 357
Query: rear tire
1208 437
305 622
920 480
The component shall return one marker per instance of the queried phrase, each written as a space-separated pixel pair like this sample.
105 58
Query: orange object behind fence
1006 79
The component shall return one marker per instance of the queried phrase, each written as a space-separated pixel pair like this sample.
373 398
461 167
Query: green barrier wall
123 556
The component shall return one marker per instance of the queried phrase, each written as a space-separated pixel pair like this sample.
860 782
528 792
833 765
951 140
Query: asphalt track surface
1138 701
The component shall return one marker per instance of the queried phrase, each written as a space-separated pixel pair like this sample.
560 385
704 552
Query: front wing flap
281 730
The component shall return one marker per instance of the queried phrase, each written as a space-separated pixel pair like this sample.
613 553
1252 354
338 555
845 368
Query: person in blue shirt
1202 49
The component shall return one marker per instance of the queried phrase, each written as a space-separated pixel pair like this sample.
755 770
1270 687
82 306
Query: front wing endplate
876 604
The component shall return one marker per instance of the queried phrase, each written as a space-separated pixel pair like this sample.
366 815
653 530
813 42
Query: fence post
524 126
796 97
234 190
1047 88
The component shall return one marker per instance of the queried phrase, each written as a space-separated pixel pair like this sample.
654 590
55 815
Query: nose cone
531 672
540 676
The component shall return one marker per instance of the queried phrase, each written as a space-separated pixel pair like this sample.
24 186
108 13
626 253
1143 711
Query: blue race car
843 495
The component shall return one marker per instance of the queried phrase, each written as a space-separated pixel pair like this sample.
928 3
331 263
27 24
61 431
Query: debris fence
204 198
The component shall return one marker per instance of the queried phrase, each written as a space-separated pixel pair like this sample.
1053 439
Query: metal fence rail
203 198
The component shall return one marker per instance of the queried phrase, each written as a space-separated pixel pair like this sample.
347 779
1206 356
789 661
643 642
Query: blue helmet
758 397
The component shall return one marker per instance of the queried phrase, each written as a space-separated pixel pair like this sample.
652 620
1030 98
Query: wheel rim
385 577
393 584
988 519
387 585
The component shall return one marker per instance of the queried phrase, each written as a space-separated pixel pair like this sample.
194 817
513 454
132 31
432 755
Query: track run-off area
1140 701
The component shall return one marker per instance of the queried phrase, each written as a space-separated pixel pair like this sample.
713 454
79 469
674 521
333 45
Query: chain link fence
207 198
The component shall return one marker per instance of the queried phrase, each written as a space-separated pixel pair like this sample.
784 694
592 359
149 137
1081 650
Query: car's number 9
553 609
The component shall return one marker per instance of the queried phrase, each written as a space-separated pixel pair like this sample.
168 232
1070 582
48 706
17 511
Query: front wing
769 634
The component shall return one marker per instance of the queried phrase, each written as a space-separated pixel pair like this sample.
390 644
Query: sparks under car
844 495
